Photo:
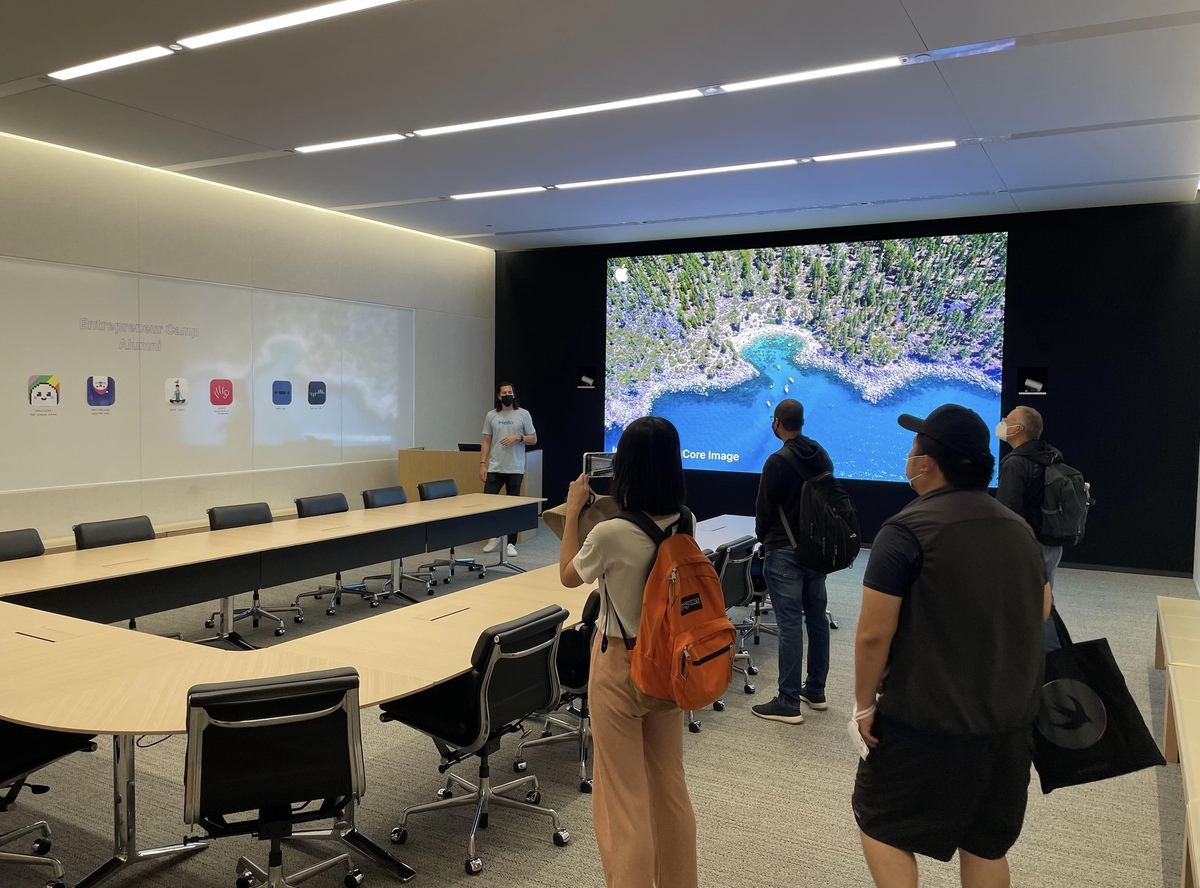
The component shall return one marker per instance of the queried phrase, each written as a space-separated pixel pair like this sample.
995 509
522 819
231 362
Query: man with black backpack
1022 487
797 590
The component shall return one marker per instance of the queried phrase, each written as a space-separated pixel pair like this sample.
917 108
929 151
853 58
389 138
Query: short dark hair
961 471
648 468
790 414
516 400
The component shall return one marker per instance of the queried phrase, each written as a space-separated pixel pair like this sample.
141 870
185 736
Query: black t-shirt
895 561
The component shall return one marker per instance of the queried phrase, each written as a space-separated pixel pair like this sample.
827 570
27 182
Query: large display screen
857 332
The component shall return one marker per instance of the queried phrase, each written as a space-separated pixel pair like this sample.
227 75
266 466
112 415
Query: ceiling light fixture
504 193
814 74
679 174
279 22
349 143
562 112
879 152
117 61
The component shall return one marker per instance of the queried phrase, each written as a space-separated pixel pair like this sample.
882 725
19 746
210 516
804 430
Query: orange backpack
685 643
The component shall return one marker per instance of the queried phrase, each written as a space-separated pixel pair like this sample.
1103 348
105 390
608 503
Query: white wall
66 206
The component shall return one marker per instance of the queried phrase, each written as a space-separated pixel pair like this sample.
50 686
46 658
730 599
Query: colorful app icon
220 392
177 392
43 390
101 391
281 392
316 392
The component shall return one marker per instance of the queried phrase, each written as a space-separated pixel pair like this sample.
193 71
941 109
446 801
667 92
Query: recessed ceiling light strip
658 99
879 152
708 171
279 22
117 61
679 174
350 143
814 74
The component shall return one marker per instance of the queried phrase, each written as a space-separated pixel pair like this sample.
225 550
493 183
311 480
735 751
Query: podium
415 466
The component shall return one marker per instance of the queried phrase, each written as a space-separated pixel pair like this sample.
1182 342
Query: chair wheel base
749 688
42 846
210 624
298 619
752 670
562 838
444 794
833 624
719 706
473 866
520 766
399 836
533 797
585 786
694 727
279 632
353 878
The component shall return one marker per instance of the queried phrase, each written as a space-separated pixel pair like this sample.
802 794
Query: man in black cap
947 665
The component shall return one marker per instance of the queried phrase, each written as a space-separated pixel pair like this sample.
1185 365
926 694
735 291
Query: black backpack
829 535
1065 505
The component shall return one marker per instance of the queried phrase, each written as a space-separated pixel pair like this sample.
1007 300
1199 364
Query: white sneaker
492 544
511 551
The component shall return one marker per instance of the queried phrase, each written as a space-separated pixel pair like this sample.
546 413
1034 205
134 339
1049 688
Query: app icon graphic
316 392
281 392
177 392
220 392
43 390
101 391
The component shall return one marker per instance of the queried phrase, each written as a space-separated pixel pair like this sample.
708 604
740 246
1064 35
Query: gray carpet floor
772 800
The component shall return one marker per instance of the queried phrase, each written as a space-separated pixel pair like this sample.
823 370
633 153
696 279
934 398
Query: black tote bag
1088 727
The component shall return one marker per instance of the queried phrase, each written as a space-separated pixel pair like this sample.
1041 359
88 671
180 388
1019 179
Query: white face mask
1002 430
913 478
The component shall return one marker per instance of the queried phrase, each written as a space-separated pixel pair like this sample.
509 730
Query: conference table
120 582
712 532
65 672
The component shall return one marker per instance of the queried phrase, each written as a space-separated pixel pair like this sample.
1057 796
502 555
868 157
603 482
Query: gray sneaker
773 710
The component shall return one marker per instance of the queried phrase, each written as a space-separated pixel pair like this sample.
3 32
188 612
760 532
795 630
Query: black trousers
511 482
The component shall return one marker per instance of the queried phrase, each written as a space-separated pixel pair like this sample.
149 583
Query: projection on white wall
124 377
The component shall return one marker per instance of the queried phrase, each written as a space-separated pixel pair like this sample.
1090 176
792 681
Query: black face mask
506 400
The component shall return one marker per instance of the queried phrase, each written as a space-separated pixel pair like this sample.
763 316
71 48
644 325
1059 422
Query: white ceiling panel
955 22
58 115
1174 191
1107 66
1127 77
1130 153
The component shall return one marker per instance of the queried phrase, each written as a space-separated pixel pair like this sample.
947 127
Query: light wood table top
1178 631
76 675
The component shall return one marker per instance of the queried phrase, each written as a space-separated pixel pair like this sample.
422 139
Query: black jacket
780 484
1023 480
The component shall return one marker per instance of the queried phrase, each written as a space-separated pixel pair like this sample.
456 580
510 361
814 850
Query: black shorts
933 793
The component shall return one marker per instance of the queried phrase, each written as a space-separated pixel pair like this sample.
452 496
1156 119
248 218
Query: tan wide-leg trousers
643 815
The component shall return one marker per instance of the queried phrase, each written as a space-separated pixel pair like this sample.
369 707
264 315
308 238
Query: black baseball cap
954 427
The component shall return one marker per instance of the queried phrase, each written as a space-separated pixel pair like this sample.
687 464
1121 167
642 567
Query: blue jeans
799 600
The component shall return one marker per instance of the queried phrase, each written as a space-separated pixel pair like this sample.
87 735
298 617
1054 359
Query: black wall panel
1107 299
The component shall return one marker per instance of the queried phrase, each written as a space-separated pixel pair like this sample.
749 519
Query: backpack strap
790 457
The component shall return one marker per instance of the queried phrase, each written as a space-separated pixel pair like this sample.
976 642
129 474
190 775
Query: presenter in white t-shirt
507 431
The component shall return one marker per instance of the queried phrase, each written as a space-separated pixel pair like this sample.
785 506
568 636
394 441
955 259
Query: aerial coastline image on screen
857 332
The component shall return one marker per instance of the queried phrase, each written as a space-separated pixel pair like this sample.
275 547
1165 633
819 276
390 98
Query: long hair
648 468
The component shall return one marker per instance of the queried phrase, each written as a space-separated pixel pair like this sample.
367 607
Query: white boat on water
768 403
790 379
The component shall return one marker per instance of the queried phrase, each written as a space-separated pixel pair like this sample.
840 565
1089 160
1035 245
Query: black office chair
732 562
378 498
288 749
114 532
755 624
24 750
333 504
512 676
244 515
574 661
431 490
26 543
